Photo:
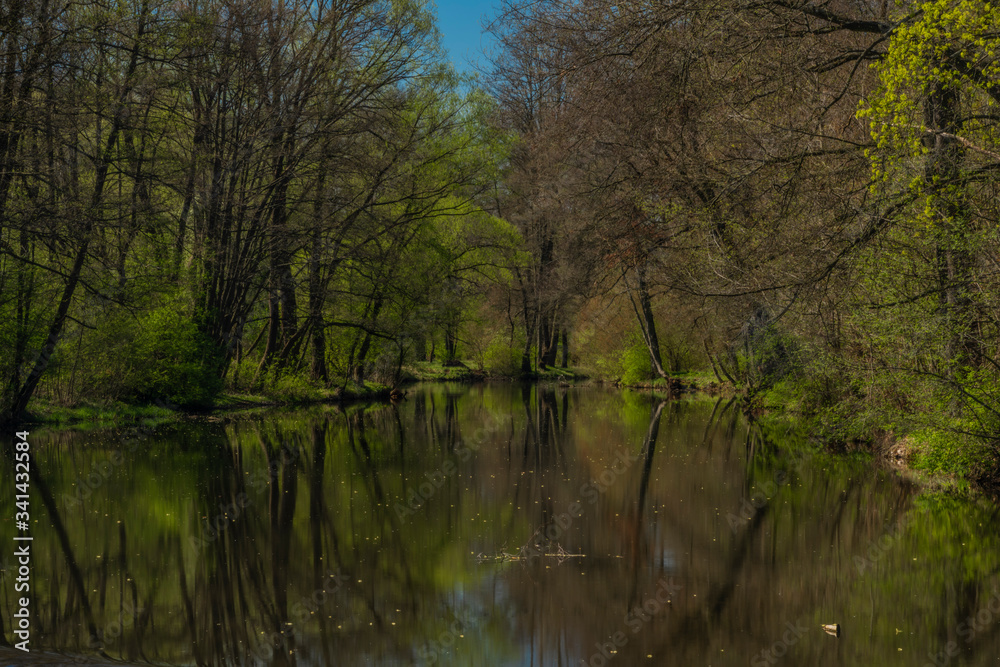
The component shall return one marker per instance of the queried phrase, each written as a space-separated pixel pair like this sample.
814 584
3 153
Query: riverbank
293 392
435 371
933 456
936 459
98 414
927 452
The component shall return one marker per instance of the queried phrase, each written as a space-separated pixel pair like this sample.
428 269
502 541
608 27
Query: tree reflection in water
275 539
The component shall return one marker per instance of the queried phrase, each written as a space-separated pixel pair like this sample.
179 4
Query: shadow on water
494 525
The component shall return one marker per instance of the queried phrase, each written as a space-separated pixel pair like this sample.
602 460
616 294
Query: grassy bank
683 383
98 414
435 371
934 450
113 413
928 445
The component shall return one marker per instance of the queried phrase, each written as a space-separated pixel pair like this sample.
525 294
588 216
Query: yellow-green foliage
502 358
942 42
948 452
635 364
171 360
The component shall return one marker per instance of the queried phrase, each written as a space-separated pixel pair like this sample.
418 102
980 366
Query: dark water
494 525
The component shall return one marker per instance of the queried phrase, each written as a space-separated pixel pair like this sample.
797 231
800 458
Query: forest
793 198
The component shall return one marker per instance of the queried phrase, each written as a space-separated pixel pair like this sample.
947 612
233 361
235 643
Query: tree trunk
526 354
530 316
273 329
643 308
941 116
549 342
283 307
450 345
362 356
318 342
420 347
359 361
23 395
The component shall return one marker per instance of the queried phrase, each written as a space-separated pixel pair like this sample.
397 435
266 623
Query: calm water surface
494 525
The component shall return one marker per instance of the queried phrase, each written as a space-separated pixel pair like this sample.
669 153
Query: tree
529 79
934 129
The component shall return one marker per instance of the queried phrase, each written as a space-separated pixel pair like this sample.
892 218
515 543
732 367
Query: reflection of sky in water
332 507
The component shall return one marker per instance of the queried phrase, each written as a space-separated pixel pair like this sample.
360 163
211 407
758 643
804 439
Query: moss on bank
682 383
435 371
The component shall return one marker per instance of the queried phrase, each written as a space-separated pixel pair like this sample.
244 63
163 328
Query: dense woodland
798 197
204 193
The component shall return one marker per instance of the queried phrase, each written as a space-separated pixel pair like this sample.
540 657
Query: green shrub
677 351
940 451
288 386
762 355
501 358
171 360
636 366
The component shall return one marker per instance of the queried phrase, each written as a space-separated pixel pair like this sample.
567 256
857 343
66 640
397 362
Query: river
495 525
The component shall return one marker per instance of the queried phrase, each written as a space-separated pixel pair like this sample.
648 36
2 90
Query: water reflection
496 525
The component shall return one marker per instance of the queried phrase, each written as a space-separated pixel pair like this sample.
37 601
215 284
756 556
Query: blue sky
460 24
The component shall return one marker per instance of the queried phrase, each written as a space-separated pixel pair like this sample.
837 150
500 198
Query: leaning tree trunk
642 305
24 393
